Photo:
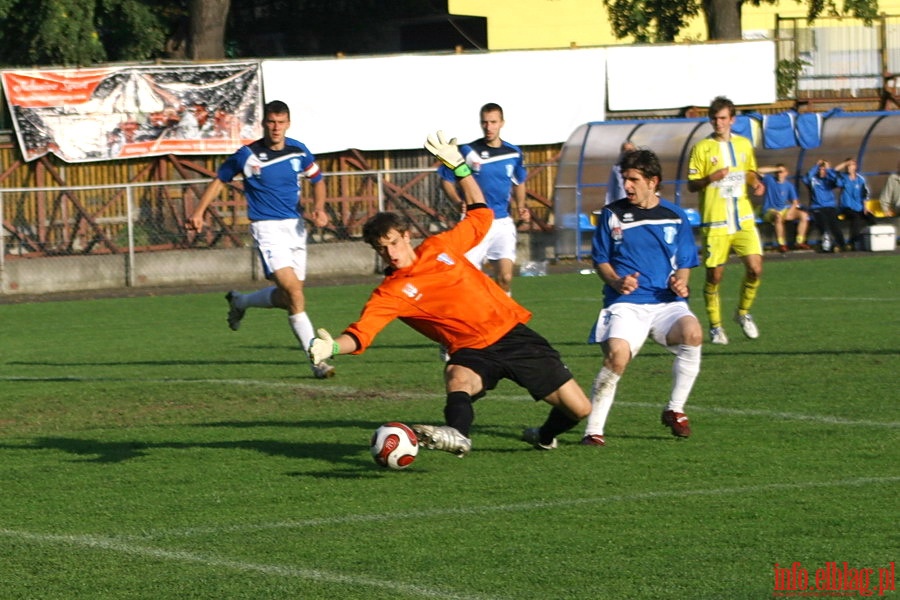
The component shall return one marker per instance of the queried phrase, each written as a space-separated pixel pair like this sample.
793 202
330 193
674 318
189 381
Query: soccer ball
394 445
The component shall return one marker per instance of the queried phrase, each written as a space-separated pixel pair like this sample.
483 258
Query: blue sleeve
233 165
687 257
520 174
446 174
602 239
840 180
807 179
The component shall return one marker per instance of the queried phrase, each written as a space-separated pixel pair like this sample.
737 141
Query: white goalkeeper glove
322 347
448 153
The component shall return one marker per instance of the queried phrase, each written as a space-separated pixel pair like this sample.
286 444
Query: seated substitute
435 290
644 250
781 205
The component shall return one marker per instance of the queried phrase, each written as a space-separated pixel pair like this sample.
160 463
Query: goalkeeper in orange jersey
436 291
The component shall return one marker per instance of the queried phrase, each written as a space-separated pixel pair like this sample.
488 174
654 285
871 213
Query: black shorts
522 356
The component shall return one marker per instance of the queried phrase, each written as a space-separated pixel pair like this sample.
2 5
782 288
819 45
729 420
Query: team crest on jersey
411 291
714 160
669 233
617 234
446 259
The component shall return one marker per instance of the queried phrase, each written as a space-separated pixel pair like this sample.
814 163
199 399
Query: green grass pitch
146 451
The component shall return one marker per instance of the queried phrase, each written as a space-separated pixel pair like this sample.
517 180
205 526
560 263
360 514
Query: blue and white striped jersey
271 178
654 243
497 170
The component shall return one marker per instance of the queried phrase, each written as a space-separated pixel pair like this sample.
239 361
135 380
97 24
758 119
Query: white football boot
443 437
747 324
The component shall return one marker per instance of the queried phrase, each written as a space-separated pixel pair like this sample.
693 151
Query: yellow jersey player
722 169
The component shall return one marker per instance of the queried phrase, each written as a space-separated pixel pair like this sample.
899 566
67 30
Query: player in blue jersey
643 250
781 205
822 181
272 170
500 171
854 193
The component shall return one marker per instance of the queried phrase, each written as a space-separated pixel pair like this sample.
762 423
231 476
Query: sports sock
782 241
258 299
602 396
684 374
557 422
748 295
458 412
302 328
801 239
713 309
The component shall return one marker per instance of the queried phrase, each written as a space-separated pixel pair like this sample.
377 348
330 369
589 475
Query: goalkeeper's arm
448 153
471 191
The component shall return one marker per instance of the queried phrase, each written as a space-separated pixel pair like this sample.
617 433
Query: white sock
258 299
302 328
684 374
602 395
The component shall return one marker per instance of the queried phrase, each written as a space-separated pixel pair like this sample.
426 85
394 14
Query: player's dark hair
642 160
378 226
718 103
276 107
491 107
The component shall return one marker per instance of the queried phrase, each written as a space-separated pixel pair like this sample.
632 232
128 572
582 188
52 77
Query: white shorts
500 242
281 244
635 322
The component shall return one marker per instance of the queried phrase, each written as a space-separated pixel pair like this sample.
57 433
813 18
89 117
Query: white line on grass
182 556
744 412
501 508
124 545
339 390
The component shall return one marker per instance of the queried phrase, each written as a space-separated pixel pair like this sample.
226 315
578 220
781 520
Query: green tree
85 32
662 20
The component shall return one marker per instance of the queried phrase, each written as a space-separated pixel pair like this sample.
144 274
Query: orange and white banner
84 115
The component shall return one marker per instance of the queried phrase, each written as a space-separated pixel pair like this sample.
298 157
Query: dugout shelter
797 140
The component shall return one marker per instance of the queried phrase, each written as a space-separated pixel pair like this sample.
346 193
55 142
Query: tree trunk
723 19
206 40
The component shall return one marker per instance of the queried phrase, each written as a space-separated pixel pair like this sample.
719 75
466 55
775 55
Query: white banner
392 103
674 76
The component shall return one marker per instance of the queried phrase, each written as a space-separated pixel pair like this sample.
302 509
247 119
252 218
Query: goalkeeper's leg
458 412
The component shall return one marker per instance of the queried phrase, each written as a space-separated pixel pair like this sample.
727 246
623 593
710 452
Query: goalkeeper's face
396 249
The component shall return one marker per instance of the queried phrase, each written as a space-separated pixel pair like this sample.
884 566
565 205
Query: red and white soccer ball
394 445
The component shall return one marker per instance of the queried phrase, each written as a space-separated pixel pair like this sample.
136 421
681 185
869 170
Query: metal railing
129 219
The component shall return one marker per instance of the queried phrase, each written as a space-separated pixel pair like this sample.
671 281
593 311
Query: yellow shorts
769 217
717 246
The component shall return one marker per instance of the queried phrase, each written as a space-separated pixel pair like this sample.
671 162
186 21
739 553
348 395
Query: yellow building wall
544 24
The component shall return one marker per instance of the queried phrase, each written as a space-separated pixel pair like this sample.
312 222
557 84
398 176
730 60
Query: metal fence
839 56
132 219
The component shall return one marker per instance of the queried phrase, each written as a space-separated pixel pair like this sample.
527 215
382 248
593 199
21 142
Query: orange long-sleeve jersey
442 295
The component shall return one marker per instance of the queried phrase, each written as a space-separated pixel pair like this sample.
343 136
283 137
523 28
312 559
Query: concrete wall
202 266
